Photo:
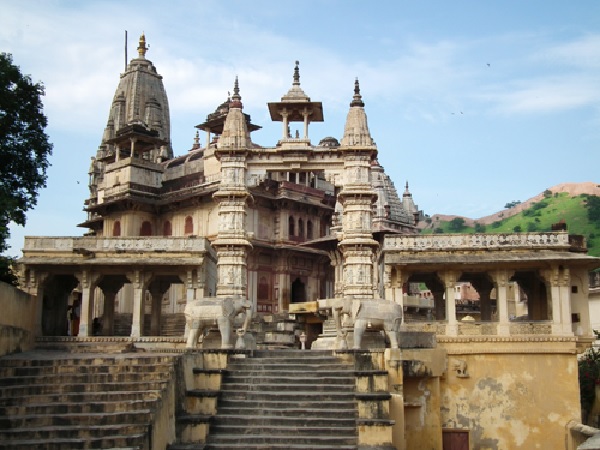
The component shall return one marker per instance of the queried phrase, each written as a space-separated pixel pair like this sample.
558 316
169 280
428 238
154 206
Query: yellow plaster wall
512 400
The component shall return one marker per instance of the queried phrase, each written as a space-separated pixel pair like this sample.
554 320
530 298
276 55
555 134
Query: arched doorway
298 291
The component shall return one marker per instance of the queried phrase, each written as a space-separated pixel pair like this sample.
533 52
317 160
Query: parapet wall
17 320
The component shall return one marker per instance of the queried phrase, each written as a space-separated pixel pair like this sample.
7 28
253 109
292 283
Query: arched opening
298 291
116 228
167 229
146 229
300 228
57 298
309 229
291 227
189 225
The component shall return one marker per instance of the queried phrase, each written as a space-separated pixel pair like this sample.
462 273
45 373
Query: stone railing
443 242
481 328
115 244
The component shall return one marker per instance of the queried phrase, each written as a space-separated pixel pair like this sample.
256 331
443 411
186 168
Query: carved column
558 279
449 278
87 281
357 245
501 278
140 283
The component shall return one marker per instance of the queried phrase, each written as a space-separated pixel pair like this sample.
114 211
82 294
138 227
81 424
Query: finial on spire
142 46
297 74
236 98
406 185
196 141
357 99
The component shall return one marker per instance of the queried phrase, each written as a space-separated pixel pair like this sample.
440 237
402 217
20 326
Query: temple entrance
55 303
298 291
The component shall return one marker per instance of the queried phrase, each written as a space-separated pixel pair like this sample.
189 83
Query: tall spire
356 130
357 99
297 74
236 99
142 48
235 133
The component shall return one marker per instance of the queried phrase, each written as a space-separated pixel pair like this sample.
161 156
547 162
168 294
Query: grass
538 218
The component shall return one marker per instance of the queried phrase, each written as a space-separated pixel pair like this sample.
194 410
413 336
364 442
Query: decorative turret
357 197
232 244
140 103
296 106
356 131
235 132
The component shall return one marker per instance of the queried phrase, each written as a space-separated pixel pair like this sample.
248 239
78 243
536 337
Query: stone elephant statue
377 314
204 313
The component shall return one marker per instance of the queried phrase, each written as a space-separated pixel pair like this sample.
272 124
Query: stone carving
201 314
460 367
374 314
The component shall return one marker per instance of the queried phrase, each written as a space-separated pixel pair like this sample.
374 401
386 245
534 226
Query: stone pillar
87 281
139 289
558 282
449 278
108 315
501 279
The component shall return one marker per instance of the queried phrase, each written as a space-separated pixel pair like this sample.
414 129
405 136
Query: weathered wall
17 320
510 394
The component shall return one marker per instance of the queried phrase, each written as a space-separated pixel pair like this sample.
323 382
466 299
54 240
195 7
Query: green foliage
457 224
6 273
589 377
479 228
512 204
438 231
24 146
592 205
547 193
577 212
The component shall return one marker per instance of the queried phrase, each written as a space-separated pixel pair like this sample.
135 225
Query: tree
457 224
593 207
24 145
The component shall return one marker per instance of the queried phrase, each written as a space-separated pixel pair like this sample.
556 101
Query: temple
310 242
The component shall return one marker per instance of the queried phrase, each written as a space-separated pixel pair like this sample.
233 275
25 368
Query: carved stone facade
296 227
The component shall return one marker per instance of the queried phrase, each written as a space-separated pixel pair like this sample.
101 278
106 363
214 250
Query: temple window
309 229
300 228
189 225
116 228
167 229
146 229
291 226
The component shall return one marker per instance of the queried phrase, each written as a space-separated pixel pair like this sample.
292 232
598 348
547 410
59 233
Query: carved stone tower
357 197
232 244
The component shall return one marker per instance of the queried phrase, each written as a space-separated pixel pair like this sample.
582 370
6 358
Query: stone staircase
65 401
277 399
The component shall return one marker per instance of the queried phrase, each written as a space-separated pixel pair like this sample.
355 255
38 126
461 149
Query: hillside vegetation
580 213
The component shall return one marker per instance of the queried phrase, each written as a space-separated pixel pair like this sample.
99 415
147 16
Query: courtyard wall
17 320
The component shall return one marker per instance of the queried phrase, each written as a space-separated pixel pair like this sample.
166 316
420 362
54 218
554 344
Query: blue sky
474 103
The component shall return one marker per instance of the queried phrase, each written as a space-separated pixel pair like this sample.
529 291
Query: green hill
580 213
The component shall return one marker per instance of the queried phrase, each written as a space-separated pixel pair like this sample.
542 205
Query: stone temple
276 296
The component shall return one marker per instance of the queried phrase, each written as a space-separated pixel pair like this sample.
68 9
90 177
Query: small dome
329 142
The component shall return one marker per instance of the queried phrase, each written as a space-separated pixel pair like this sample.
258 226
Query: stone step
59 358
133 442
38 389
289 396
285 446
278 409
275 421
73 432
273 378
316 389
26 371
139 417
307 436
283 407
81 397
278 366
78 407
80 378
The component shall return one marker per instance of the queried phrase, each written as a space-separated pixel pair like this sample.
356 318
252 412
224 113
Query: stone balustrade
115 244
542 327
445 242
